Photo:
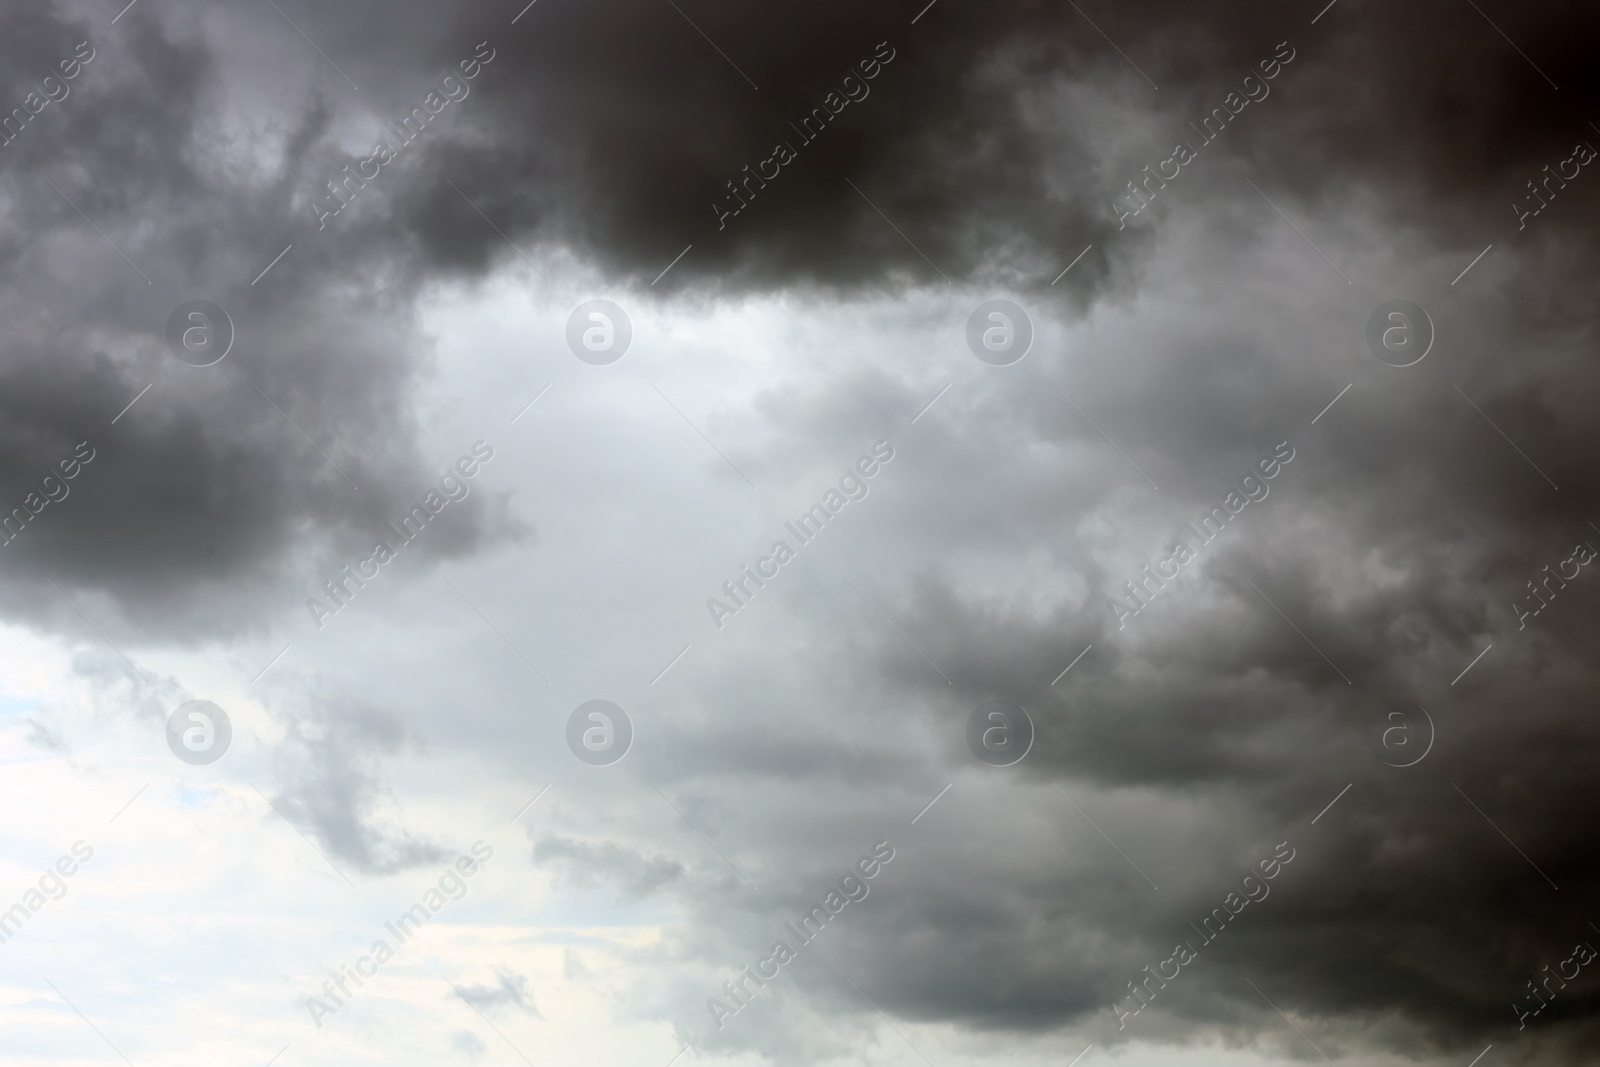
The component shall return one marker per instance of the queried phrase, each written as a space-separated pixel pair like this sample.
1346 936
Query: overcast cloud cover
1326 794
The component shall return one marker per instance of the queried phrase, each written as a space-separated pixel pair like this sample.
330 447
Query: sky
912 533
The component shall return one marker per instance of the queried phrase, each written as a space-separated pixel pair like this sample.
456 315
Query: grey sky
1391 569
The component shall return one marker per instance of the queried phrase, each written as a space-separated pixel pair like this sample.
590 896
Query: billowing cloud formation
994 139
1418 556
130 196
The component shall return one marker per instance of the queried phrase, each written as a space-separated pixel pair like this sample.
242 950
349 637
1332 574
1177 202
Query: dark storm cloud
617 135
298 444
1410 917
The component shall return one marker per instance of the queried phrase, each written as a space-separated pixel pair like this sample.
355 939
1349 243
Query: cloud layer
1417 566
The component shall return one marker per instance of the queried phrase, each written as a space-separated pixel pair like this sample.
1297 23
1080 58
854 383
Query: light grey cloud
332 766
588 865
510 991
